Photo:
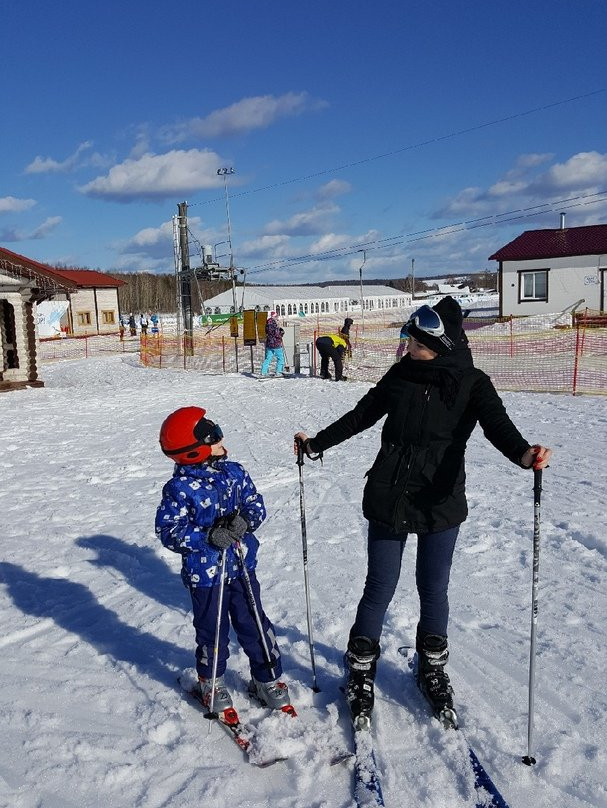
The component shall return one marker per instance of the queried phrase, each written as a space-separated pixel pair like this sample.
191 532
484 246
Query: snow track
95 624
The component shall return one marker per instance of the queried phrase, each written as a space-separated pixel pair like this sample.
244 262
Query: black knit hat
451 315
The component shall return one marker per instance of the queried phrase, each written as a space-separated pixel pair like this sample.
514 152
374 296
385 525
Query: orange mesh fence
83 347
526 353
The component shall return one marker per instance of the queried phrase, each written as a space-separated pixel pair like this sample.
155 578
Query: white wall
569 279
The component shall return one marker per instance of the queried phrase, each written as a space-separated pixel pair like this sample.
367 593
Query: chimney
563 221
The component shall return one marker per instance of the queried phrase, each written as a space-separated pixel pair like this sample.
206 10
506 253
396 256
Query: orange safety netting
526 353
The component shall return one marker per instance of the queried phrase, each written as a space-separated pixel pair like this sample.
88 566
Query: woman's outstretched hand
537 457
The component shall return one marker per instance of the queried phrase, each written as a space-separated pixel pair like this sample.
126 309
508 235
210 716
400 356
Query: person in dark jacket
332 346
433 399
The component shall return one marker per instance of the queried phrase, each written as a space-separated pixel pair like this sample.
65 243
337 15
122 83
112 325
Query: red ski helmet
186 436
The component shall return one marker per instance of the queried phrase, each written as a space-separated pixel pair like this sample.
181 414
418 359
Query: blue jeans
385 551
271 353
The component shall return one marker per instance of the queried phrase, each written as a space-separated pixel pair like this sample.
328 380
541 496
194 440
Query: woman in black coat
433 399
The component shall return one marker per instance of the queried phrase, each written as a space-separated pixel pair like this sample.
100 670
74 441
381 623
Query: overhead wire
410 147
437 232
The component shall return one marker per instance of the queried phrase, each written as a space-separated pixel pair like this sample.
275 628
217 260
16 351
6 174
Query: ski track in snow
96 625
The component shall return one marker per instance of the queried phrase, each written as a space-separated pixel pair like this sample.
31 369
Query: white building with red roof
547 271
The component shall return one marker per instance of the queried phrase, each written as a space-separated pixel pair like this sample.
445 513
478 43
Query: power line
410 147
436 232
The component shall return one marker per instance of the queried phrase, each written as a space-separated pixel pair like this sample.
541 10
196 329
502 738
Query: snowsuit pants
238 612
433 565
273 353
327 351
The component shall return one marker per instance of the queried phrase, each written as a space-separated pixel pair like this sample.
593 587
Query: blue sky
393 127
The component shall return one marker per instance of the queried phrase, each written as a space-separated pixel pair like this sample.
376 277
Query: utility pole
185 279
225 172
412 278
362 300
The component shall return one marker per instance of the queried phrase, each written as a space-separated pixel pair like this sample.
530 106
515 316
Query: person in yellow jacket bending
332 346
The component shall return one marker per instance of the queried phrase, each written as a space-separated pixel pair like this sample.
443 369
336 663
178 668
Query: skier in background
433 399
274 346
209 506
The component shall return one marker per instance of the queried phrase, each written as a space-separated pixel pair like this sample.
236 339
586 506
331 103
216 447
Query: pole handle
537 485
299 446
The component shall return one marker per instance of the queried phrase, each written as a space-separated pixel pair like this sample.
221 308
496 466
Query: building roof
88 277
67 278
19 266
560 243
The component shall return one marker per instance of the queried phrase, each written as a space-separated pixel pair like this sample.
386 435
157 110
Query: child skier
209 508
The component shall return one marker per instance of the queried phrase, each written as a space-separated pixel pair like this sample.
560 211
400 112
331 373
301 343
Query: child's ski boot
274 694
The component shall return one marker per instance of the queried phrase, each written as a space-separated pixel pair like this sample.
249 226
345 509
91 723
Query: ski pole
255 610
211 713
528 759
304 542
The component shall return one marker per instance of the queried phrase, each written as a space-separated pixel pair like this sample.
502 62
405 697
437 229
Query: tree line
146 291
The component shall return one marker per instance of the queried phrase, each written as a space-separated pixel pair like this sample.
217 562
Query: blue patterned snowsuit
192 500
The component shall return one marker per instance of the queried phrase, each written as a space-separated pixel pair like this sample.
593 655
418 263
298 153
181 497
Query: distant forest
145 291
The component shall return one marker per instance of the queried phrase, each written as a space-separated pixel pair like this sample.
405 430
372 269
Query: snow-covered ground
96 626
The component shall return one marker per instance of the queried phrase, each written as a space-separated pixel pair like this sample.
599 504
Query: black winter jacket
417 482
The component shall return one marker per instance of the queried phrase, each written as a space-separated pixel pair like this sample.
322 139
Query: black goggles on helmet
207 432
428 321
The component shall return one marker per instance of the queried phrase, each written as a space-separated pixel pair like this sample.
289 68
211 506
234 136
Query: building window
84 318
533 285
108 317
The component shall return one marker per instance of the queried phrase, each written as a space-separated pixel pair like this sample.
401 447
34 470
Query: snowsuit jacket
417 482
338 341
273 334
192 500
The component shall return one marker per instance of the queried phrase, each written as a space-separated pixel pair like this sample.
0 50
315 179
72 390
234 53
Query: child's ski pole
304 542
212 713
254 609
528 759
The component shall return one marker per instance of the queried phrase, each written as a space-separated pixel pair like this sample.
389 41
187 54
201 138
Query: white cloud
333 241
158 176
257 112
47 165
333 189
10 204
583 173
42 231
157 242
307 223
266 247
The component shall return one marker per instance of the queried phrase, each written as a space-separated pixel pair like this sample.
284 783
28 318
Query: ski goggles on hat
207 432
428 321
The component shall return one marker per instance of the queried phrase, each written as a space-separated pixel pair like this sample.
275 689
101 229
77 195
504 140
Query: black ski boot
361 661
432 678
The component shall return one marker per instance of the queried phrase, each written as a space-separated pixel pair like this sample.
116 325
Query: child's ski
230 721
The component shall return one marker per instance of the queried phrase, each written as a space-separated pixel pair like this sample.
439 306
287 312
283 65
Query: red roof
87 277
74 277
567 241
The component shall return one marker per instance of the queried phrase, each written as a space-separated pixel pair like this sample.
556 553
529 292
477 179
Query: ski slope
96 625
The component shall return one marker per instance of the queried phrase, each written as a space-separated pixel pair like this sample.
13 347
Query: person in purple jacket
274 348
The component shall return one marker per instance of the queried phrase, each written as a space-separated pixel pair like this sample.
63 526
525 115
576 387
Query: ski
367 783
487 792
229 720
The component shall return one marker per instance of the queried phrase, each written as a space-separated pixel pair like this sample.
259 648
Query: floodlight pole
362 300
